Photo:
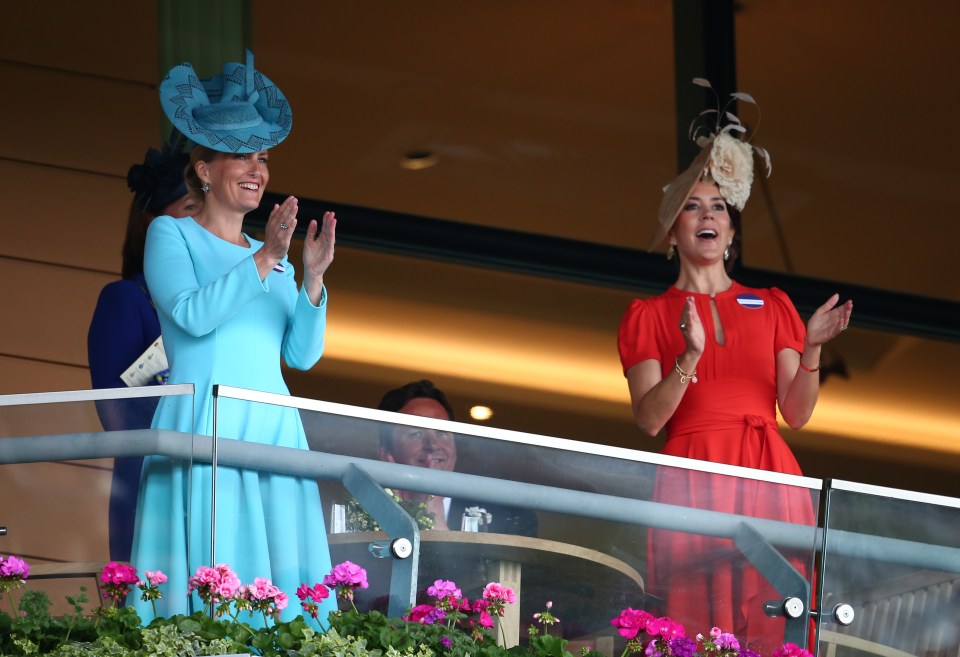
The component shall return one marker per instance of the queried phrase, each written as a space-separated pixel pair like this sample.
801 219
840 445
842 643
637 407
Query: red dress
728 416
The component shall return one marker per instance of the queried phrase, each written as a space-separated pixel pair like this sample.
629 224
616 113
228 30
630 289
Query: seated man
438 449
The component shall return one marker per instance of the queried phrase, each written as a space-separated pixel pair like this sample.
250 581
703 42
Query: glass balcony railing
843 568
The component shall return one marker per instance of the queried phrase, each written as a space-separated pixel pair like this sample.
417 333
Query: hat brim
181 92
676 195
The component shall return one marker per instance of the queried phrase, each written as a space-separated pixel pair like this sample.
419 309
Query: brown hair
190 177
134 240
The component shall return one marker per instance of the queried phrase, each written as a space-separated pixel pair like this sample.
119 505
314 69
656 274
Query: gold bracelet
684 376
808 369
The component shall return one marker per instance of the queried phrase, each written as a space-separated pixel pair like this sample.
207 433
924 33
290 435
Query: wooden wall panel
107 38
49 524
47 311
22 375
76 121
65 217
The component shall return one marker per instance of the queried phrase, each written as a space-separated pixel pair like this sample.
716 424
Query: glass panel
580 525
894 558
70 466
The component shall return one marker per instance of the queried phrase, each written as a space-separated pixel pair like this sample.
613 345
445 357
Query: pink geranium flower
632 622
496 592
215 584
118 579
444 589
318 592
346 578
262 596
425 614
151 588
791 650
155 577
310 596
14 568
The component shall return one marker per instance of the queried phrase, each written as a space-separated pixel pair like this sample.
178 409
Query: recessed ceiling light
417 160
481 413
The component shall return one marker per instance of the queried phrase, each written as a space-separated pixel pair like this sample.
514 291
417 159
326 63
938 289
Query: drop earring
671 251
726 253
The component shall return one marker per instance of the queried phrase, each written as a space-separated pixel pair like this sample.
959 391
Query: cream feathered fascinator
726 158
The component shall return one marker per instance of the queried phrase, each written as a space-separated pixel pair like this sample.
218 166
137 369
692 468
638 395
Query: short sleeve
790 331
636 337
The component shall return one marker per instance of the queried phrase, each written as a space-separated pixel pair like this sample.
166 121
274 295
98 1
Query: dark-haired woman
710 361
125 325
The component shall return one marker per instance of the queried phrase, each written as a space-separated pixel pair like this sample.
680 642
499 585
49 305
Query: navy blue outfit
124 325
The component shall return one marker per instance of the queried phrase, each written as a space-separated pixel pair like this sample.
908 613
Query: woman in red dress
710 360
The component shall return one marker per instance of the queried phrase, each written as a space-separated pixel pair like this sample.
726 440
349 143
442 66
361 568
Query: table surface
525 550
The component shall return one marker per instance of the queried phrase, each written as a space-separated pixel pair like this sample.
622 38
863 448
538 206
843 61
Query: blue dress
124 324
223 325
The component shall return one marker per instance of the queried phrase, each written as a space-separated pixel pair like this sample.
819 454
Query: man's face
426 448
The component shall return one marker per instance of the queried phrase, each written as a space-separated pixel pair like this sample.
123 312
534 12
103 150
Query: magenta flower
791 650
119 573
486 619
446 641
425 615
666 628
118 579
346 578
310 596
632 622
317 593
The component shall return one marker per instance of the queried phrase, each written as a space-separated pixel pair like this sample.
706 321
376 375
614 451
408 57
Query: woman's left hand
828 321
318 247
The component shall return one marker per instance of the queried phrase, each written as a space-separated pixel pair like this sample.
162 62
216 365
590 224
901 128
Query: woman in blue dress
229 308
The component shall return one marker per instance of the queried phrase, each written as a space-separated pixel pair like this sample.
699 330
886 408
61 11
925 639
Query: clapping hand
692 327
828 321
279 230
318 246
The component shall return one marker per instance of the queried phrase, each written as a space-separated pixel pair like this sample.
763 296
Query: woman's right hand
280 227
278 234
692 329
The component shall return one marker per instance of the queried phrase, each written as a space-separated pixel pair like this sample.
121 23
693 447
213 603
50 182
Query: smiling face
237 180
703 228
426 448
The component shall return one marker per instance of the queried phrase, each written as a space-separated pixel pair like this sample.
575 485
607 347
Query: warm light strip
503 363
578 374
888 424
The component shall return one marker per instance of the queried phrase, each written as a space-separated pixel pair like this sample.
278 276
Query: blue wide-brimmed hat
239 111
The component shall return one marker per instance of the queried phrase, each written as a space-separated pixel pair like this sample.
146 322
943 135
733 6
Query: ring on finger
283 225
683 326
